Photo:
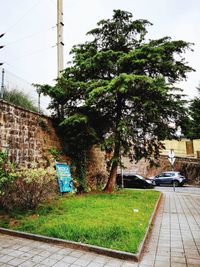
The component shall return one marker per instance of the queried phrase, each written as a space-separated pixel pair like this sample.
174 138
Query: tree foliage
121 86
191 123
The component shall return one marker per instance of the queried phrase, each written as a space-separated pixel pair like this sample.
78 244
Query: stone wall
27 136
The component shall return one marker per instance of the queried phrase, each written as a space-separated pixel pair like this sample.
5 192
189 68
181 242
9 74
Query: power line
29 36
25 14
32 53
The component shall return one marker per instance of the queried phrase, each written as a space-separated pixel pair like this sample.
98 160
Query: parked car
133 180
170 177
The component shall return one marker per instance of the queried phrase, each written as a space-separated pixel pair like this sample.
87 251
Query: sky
30 54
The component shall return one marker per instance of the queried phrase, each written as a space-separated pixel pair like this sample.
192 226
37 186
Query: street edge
90 248
149 227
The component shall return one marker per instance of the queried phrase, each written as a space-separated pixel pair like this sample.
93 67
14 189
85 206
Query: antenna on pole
2 84
60 43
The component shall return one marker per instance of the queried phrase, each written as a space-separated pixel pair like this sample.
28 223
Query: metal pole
39 102
60 43
122 175
2 83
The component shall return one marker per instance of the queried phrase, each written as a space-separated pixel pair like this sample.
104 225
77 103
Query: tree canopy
191 123
122 86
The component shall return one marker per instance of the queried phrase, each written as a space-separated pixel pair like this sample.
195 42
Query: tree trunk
113 173
116 155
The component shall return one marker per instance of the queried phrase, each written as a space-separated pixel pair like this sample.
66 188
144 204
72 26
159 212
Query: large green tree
124 86
191 123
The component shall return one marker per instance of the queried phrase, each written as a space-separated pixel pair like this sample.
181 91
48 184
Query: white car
170 177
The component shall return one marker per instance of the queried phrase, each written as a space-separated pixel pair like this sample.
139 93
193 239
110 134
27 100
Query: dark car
170 177
133 180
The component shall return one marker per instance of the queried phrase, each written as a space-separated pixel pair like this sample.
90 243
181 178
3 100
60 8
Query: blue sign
64 177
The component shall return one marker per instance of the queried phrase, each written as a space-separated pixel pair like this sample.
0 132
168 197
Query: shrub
5 168
19 98
29 187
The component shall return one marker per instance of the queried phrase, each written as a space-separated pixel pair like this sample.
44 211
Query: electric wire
22 17
29 36
32 53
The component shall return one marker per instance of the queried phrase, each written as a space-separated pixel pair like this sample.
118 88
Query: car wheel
154 183
176 183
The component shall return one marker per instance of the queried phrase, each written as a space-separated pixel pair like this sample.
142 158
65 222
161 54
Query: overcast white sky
29 34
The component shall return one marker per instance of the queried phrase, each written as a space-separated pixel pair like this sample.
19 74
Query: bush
19 98
29 187
5 168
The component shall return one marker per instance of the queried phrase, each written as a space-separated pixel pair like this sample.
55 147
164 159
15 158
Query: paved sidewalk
175 241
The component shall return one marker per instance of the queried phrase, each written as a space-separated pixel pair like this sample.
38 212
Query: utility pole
60 43
2 83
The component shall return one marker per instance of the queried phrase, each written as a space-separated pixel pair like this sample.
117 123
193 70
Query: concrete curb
86 247
149 227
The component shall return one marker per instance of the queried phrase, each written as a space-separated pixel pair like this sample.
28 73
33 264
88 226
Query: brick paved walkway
175 242
175 239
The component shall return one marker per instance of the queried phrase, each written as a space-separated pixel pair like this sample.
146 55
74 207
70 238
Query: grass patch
105 220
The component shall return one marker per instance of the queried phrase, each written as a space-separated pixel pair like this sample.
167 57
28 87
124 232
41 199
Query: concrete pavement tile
88 256
115 263
96 264
176 264
102 259
52 249
56 257
26 256
178 259
177 254
6 258
49 262
149 257
16 253
162 264
180 250
62 264
6 251
25 249
16 247
44 254
162 258
64 251
192 254
37 259
27 264
77 253
81 262
16 262
193 261
129 264
69 259
148 262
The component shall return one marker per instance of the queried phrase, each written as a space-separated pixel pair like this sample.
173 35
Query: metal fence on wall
10 81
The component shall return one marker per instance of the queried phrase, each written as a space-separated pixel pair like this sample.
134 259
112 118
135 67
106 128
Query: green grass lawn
106 220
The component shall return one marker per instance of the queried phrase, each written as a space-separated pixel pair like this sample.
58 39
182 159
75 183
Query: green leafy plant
19 98
55 153
5 168
29 188
43 124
